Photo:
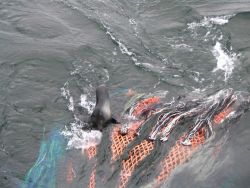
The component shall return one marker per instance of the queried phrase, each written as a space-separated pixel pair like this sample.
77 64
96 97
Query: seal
101 116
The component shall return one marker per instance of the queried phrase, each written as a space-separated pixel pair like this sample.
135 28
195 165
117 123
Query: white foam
134 24
106 74
210 21
79 139
114 52
71 104
225 61
88 105
132 21
182 46
66 94
122 47
150 67
225 58
64 91
221 20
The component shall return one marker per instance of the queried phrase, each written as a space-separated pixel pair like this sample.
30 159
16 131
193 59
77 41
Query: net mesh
177 155
120 142
143 104
92 179
180 153
91 153
137 154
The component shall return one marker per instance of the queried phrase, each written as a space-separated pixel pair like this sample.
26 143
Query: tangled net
152 121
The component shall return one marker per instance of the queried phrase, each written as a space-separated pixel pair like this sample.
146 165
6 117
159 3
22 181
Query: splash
66 94
208 31
225 61
76 137
220 20
208 28
210 21
88 105
80 139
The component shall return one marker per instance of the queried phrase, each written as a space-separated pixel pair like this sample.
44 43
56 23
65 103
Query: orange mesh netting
222 115
145 103
91 152
120 142
180 153
177 155
137 154
92 179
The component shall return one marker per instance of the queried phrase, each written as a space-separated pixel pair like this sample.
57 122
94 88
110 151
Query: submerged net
162 120
181 153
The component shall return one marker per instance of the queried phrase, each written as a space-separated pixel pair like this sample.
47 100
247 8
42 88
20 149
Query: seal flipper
113 120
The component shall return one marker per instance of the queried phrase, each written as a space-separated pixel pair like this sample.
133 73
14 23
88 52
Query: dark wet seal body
101 116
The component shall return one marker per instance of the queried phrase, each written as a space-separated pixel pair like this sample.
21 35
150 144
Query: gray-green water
53 53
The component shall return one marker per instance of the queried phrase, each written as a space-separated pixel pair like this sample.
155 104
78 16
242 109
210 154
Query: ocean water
53 54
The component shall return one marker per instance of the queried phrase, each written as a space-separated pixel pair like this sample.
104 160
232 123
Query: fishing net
213 111
180 153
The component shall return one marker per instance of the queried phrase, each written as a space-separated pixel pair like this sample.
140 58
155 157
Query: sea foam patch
77 137
88 105
81 139
208 30
225 61
66 94
210 21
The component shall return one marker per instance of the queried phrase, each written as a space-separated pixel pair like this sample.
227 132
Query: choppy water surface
53 53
